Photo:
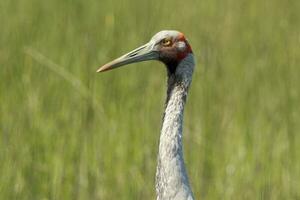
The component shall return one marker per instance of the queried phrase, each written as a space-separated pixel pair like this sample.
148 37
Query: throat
171 67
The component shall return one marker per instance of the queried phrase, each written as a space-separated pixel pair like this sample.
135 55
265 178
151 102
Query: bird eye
166 42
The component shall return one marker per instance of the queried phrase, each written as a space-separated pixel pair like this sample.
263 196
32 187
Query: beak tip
101 69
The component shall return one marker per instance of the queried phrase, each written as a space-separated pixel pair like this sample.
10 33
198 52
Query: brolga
172 49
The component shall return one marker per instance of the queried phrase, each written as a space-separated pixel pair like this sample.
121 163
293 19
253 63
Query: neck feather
171 177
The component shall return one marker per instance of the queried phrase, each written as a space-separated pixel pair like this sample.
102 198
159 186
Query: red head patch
184 48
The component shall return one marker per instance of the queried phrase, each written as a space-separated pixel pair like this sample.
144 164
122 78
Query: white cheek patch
181 46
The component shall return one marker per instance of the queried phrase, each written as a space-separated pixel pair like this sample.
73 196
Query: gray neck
171 177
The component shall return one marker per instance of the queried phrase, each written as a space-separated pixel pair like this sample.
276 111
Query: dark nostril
133 54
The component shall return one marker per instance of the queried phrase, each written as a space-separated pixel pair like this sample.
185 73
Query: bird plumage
171 48
171 177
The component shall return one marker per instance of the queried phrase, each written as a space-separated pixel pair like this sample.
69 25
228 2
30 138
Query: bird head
169 47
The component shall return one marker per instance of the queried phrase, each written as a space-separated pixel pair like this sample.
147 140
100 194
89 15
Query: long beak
145 52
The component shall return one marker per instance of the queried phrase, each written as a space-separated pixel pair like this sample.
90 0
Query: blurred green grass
242 120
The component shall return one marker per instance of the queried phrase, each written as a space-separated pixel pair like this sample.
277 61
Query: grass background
69 133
